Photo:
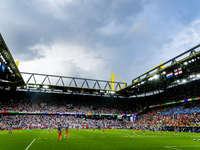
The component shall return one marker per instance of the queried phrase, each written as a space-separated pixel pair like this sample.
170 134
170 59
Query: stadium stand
181 114
174 98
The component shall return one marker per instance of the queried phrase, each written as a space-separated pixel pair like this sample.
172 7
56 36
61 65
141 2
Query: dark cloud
123 34
30 23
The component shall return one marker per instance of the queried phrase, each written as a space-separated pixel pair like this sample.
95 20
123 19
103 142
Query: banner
134 118
175 102
178 71
2 67
131 118
169 74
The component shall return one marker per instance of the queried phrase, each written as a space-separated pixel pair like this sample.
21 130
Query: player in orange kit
59 132
66 131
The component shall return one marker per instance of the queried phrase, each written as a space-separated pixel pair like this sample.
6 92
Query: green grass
88 140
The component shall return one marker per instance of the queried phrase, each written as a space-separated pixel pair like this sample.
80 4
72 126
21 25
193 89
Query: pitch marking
177 147
30 144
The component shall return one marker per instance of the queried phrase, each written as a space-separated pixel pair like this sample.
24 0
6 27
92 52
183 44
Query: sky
94 38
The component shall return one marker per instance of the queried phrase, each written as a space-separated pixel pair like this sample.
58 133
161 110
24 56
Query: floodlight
3 59
150 78
45 86
185 63
184 81
155 76
112 92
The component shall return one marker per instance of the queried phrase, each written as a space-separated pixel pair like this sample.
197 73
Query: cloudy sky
94 38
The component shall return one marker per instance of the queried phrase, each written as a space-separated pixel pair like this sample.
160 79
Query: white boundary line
171 147
30 145
177 147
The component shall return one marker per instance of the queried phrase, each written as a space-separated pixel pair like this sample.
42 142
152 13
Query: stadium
85 109
159 110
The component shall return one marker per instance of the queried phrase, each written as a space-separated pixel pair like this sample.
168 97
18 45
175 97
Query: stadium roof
68 85
9 73
11 76
178 70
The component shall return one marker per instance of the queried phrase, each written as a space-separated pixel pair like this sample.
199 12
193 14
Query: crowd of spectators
180 114
46 102
185 114
46 121
42 102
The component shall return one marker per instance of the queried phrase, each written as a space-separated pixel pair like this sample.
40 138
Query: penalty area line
30 144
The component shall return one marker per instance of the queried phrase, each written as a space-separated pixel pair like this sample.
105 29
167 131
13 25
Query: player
133 130
59 132
82 127
150 129
161 130
143 130
67 131
10 131
99 127
164 129
93 129
193 130
178 130
103 130
77 128
175 131
157 129
49 129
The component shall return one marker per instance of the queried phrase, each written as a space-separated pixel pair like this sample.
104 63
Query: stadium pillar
112 82
17 63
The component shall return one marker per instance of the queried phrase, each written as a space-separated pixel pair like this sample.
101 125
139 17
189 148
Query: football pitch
88 140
